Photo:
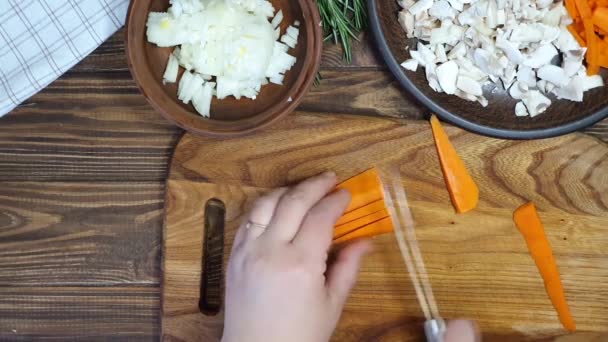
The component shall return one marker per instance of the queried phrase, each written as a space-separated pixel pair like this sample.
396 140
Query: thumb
461 330
342 275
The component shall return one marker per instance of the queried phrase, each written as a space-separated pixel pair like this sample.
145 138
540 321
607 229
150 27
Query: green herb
342 21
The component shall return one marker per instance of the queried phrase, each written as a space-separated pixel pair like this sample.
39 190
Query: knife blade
403 222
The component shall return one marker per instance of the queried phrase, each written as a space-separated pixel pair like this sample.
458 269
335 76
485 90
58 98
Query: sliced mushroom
447 74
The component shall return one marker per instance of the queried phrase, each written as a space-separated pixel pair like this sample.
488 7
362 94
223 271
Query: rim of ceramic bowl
397 71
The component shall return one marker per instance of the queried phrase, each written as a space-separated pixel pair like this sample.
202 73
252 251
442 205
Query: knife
403 222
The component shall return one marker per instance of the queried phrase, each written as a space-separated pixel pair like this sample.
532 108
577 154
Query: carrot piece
529 224
572 29
461 186
364 188
592 40
363 211
571 8
382 226
358 223
600 18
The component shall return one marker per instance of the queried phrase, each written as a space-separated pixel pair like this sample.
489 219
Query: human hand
278 287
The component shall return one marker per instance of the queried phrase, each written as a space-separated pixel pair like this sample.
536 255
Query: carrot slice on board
358 223
529 224
382 226
364 189
461 186
363 211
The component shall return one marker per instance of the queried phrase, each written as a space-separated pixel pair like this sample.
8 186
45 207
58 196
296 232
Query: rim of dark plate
395 68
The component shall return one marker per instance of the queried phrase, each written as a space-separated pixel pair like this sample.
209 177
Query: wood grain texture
79 313
478 262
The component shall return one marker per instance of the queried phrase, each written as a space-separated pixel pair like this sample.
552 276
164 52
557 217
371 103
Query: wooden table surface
82 172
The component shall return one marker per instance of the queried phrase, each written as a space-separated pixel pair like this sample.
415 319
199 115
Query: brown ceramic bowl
498 119
229 117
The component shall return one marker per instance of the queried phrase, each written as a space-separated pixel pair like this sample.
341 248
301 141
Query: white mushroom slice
458 51
426 53
431 76
457 5
573 91
518 90
482 101
405 4
510 50
469 86
573 61
520 109
442 10
410 64
448 33
591 82
420 6
406 19
447 74
526 75
441 54
536 102
417 56
541 56
492 14
465 96
553 74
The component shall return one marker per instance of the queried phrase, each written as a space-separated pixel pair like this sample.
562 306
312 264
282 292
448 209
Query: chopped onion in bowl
234 42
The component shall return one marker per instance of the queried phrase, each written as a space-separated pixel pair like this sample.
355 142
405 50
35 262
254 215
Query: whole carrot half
529 224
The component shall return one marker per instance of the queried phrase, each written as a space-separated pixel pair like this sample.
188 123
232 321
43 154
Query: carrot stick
358 223
600 18
364 188
363 211
574 32
382 226
461 186
592 44
571 8
529 224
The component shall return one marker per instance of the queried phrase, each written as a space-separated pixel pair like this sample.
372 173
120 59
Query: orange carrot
382 226
364 189
529 224
600 18
592 40
571 8
358 223
573 30
461 186
363 211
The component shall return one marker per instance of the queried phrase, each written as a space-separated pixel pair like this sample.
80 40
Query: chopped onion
170 75
276 21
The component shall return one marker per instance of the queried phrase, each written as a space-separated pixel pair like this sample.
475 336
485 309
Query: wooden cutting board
478 262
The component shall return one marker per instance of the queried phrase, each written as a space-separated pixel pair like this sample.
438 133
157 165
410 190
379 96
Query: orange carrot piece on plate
461 186
382 226
529 224
351 226
600 18
364 189
361 212
573 30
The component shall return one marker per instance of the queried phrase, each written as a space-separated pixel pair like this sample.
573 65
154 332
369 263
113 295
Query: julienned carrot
600 18
461 186
529 224
358 223
382 226
571 8
592 40
361 212
364 188
572 29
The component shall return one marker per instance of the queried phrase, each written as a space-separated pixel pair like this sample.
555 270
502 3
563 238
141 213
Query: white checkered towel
42 39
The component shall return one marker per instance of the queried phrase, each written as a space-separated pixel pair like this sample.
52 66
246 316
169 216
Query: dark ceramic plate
498 118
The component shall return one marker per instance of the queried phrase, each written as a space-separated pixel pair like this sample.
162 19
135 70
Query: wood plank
79 313
478 263
75 233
